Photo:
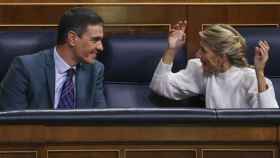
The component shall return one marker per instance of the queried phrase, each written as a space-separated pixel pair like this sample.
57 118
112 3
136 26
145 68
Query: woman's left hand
261 55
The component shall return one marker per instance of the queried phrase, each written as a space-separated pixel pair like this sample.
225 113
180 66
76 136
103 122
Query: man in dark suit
64 77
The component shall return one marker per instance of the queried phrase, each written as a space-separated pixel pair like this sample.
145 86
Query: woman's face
211 62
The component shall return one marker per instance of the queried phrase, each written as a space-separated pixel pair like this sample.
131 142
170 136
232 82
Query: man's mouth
93 52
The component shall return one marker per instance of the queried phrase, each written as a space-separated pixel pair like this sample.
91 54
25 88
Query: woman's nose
198 54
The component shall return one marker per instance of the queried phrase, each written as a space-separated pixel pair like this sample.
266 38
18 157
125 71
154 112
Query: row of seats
130 61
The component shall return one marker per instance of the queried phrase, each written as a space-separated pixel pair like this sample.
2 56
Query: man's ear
72 38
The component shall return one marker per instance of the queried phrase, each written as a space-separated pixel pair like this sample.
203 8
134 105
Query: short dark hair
76 19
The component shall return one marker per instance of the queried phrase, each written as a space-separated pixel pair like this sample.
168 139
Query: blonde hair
223 39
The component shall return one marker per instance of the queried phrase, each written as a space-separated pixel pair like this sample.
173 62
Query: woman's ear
225 59
225 62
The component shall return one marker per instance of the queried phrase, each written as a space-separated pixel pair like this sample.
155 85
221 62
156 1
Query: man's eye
96 39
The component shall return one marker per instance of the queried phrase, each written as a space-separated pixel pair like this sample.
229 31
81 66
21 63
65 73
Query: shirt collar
60 65
229 71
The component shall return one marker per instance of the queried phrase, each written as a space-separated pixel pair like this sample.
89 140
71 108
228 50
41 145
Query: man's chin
89 61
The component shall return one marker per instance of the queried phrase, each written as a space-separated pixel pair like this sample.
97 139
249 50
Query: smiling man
66 76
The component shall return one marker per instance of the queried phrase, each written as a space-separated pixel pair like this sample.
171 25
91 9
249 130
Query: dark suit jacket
30 83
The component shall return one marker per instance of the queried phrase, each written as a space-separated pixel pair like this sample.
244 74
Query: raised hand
177 36
261 55
176 39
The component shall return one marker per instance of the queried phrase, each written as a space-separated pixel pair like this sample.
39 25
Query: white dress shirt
235 88
61 68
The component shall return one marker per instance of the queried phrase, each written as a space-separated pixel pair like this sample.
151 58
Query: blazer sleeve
100 101
14 87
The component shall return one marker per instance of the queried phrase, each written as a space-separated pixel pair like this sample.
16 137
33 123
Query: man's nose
100 46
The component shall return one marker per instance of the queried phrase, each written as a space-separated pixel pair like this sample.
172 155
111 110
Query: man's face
89 44
211 62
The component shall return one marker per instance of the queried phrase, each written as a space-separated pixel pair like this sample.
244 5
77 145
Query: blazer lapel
50 73
82 89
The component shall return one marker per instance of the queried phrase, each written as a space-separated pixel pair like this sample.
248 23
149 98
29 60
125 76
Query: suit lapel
82 89
83 76
50 73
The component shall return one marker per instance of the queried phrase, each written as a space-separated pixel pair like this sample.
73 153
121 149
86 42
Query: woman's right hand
177 35
176 39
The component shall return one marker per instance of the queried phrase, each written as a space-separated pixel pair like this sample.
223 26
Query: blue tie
67 97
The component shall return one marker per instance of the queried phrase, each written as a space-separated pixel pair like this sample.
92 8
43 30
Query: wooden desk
139 141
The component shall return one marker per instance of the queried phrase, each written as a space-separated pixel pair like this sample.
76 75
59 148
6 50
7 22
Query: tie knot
70 72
